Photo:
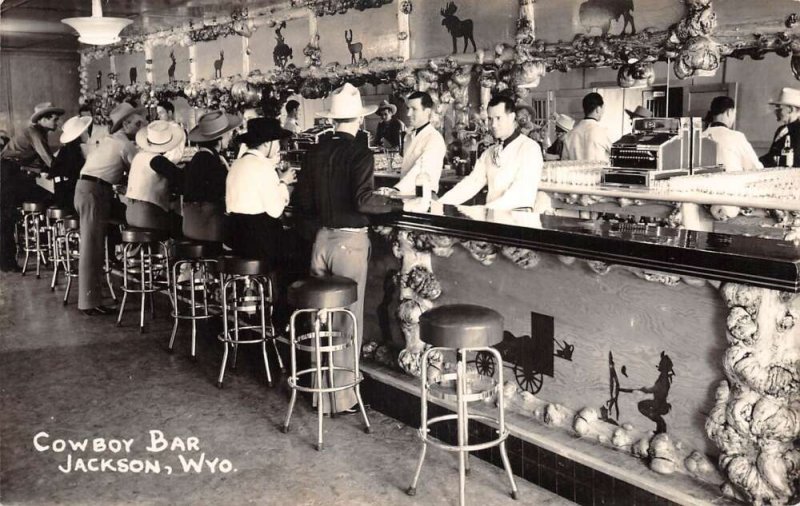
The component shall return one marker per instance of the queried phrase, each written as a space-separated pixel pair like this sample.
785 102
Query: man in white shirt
510 170
292 122
256 193
588 140
733 150
424 146
105 166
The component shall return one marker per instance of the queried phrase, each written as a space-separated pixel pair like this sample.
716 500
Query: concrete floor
76 378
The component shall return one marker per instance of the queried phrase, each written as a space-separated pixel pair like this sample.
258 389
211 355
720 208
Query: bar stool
33 226
322 298
55 236
68 247
147 264
238 277
462 328
197 257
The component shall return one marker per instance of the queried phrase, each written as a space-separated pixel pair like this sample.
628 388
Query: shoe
350 411
98 311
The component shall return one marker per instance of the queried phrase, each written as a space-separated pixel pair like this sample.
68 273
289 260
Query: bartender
510 169
787 112
733 151
424 146
588 140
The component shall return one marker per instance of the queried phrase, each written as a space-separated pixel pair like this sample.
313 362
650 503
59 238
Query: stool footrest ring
469 448
323 390
323 347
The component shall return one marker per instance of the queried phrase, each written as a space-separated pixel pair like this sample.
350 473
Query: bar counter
677 348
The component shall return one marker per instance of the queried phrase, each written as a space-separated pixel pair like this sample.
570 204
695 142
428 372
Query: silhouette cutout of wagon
530 357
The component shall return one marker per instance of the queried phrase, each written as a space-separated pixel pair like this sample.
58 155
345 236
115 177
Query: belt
96 180
62 179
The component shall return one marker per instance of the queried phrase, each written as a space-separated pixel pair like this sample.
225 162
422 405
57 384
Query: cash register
304 141
659 148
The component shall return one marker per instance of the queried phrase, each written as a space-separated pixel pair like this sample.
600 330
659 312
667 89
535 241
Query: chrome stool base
148 265
196 266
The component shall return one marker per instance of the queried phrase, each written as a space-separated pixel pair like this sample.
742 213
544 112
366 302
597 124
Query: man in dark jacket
787 112
335 194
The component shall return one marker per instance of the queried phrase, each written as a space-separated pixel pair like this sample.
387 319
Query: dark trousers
15 188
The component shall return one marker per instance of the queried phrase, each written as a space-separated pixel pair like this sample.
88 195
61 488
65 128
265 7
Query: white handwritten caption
90 455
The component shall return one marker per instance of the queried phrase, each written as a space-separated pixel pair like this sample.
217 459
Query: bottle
423 184
787 154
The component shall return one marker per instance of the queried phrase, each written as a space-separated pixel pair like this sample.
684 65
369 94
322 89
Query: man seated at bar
26 147
104 167
511 169
335 191
787 112
588 140
733 150
424 152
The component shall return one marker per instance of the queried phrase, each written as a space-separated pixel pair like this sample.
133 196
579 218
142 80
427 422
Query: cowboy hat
119 113
386 105
73 128
525 107
788 96
346 104
261 130
640 112
564 122
44 109
160 136
213 125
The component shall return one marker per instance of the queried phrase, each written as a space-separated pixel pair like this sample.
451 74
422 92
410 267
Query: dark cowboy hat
261 130
44 109
386 105
639 112
213 125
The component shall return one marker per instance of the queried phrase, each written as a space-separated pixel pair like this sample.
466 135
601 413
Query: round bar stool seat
33 207
246 290
144 235
323 292
243 266
461 326
325 300
72 223
464 329
195 249
58 213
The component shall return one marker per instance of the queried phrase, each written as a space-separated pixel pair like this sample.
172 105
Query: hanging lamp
97 30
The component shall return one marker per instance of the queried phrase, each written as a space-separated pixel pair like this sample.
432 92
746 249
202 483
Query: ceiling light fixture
97 30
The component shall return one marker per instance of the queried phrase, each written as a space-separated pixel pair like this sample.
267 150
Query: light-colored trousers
340 252
93 204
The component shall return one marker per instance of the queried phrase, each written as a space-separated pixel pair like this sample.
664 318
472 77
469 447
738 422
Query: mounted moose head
457 27
355 49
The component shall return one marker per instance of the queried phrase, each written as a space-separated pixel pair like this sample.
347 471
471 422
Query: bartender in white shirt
424 146
511 169
588 140
733 150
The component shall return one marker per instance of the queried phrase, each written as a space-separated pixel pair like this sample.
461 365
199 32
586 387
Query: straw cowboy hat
789 96
386 105
640 112
160 136
261 130
213 125
119 114
44 109
74 127
565 122
346 104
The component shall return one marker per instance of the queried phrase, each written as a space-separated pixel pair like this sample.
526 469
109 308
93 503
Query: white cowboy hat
74 127
213 125
386 105
346 104
119 113
789 96
160 136
43 109
565 122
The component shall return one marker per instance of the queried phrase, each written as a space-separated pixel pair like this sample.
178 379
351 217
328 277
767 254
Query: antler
450 9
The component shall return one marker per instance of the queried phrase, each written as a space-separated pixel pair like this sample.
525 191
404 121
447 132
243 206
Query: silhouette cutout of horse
282 52
132 74
457 27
